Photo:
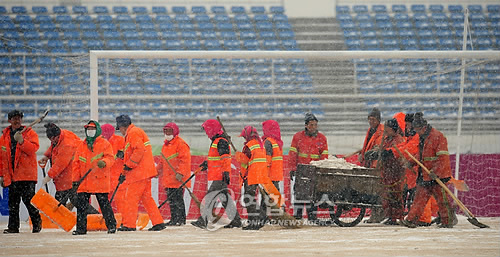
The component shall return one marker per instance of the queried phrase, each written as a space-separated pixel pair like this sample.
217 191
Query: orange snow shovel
96 222
470 217
57 213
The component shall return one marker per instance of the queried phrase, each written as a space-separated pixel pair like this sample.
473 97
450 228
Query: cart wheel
348 216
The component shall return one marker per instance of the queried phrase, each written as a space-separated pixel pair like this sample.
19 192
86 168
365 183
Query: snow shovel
42 165
267 189
51 208
96 222
470 216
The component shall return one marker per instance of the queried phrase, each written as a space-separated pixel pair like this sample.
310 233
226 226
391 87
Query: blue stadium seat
127 26
80 9
251 44
75 43
83 18
475 8
104 18
19 9
257 9
21 18
198 9
341 9
246 35
417 8
265 25
163 18
455 8
115 44
379 8
187 27
182 18
238 9
261 18
277 9
436 8
130 34
174 45
107 26
353 44
159 10
150 35
286 34
280 26
208 34
280 18
219 18
143 18
363 17
100 9
71 34
139 10
232 44
268 35
228 35
179 9
134 44
59 9
120 9
54 44
88 26
169 35
188 35
241 18
146 26
368 34
202 18
42 18
94 44
224 26
399 8
206 26
31 35
218 9
123 18
382 17
360 8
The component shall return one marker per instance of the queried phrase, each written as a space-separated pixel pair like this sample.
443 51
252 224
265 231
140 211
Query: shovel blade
476 223
49 206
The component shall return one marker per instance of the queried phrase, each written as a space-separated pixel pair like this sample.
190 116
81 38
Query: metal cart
346 192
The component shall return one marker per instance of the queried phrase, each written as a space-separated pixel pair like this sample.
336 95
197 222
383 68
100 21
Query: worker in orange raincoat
138 170
95 154
392 173
307 145
19 170
118 144
254 171
433 154
218 165
274 157
173 169
63 144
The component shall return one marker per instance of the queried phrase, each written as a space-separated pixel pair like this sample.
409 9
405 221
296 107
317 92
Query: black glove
292 174
120 154
75 186
127 168
204 165
387 154
121 178
225 177
371 155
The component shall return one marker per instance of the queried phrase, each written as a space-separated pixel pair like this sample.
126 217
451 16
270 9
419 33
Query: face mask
169 137
91 132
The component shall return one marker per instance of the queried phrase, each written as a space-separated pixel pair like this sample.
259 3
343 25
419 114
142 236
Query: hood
212 128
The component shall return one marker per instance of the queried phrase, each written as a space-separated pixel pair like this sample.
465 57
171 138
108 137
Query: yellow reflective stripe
170 157
442 153
225 157
275 145
325 152
244 165
293 149
96 157
430 158
213 158
253 147
314 156
82 159
147 143
4 148
278 158
213 145
257 160
126 146
303 155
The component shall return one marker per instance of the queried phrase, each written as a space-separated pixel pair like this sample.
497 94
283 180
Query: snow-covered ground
361 240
